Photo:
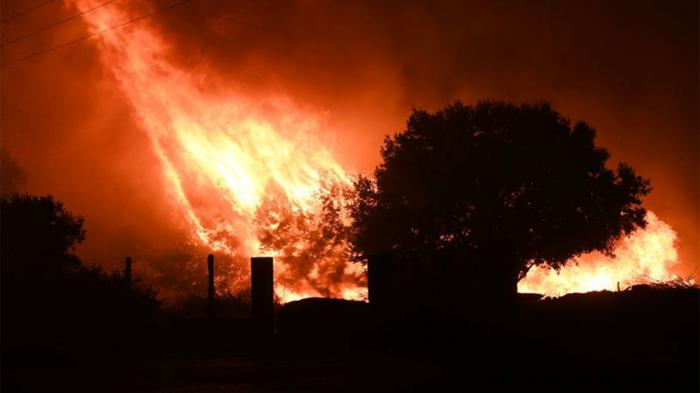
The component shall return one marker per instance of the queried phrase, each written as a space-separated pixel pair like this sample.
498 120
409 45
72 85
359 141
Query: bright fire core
647 255
224 152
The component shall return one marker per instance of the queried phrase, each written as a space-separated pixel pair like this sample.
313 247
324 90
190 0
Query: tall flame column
262 292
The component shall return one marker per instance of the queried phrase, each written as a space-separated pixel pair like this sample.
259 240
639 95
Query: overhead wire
28 10
58 23
97 33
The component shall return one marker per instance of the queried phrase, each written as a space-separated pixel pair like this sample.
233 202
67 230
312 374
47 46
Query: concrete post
211 291
378 278
262 291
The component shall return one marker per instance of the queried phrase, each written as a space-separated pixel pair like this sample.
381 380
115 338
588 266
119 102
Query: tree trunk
498 285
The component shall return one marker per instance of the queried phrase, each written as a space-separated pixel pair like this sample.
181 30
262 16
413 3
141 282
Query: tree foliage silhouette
38 234
53 306
301 238
505 187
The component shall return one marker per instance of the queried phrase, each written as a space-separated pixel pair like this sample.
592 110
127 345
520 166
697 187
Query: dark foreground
640 340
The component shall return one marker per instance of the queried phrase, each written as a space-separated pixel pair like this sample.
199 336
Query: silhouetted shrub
53 307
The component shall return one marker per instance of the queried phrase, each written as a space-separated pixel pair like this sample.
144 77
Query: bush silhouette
38 235
54 309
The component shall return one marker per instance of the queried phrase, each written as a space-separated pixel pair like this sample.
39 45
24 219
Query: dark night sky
629 68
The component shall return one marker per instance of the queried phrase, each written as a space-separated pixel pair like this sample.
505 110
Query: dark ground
645 339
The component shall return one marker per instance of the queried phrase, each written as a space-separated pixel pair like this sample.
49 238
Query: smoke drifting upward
344 73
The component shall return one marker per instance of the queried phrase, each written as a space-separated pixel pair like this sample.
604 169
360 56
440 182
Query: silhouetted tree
505 187
38 234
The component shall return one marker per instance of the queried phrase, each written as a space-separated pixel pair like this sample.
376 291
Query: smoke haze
629 68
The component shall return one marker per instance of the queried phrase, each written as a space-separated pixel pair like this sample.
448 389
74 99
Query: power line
83 38
28 10
60 22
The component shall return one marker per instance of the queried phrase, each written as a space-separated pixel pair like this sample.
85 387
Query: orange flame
647 255
221 151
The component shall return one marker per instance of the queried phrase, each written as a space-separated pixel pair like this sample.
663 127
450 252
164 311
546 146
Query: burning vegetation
251 178
646 256
245 173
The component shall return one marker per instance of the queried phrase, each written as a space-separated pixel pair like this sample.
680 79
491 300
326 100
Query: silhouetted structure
262 291
211 291
378 272
404 282
127 270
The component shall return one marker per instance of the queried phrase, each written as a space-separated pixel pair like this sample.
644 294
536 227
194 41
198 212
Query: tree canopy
38 234
505 186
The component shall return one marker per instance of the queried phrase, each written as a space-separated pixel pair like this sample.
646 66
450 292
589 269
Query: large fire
225 153
222 152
